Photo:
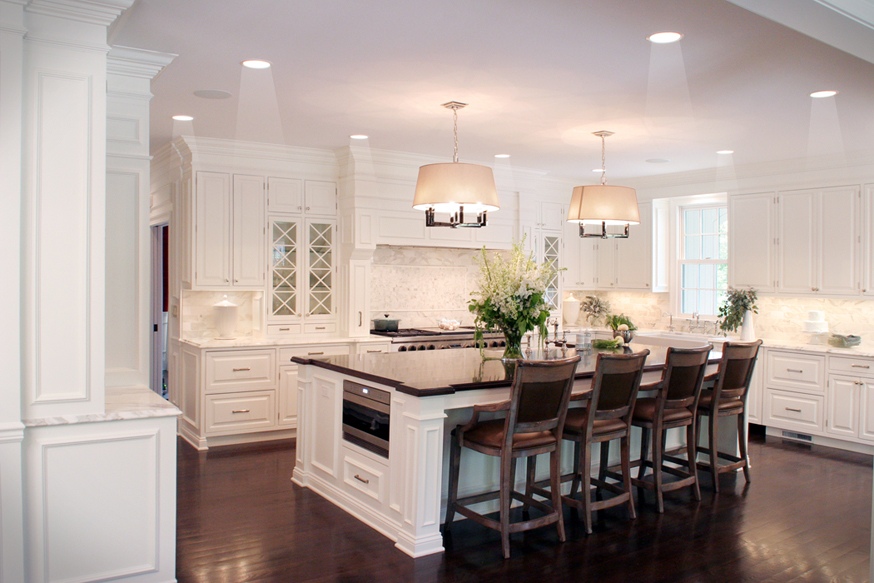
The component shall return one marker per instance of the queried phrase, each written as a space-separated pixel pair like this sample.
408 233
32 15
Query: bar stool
533 424
607 417
728 397
674 405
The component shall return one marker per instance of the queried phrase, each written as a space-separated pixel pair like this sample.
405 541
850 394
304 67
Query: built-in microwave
366 417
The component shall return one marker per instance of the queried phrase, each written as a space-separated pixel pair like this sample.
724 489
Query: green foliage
512 294
595 308
738 301
616 320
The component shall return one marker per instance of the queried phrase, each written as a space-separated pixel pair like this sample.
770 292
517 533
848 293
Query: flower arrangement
622 326
512 296
731 312
595 308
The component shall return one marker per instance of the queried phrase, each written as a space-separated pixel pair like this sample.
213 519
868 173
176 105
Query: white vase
747 331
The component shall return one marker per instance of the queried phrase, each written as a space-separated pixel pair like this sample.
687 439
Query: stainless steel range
410 339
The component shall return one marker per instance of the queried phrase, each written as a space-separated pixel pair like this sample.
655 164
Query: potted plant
621 326
595 308
737 312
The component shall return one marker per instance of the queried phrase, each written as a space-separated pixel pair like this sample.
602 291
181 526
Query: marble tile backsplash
197 313
779 318
419 286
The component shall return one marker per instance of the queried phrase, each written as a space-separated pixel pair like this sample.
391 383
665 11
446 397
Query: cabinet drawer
316 351
365 476
240 369
803 372
283 329
373 348
240 412
317 328
787 410
852 365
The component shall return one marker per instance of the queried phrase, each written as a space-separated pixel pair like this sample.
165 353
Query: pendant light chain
603 159
455 132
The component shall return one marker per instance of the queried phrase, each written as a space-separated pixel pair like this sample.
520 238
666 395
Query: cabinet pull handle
793 410
242 369
794 370
360 479
373 351
284 329
360 319
861 366
320 327
315 353
240 411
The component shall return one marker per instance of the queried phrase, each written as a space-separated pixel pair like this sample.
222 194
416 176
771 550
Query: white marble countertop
244 341
121 404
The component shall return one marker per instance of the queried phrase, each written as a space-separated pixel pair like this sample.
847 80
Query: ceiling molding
100 12
137 62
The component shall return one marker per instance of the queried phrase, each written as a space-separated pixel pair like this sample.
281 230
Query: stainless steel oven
366 417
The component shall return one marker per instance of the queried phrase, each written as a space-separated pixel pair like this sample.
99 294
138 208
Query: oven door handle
368 403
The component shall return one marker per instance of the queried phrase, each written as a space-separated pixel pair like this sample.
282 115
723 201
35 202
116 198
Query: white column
128 253
11 429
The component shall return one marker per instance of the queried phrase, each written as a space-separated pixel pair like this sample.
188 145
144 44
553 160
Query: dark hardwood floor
805 518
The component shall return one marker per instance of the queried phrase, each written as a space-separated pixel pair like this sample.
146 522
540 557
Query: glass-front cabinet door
320 267
551 253
285 267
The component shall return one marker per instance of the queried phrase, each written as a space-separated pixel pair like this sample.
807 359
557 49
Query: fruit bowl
626 335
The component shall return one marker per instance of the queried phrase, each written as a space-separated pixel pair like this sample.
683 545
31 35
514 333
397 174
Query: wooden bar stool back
674 405
728 397
607 417
533 424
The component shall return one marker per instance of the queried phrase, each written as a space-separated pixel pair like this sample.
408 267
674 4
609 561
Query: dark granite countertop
442 372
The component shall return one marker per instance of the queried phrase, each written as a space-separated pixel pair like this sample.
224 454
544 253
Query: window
703 259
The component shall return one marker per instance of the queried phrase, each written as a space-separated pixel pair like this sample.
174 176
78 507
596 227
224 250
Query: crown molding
198 147
133 62
100 12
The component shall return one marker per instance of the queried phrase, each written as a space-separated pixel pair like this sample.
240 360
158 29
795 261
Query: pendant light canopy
603 204
456 188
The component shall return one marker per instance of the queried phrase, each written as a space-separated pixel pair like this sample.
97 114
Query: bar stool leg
625 453
555 488
742 444
454 463
576 481
605 460
714 455
530 473
692 456
507 467
644 451
657 453
586 480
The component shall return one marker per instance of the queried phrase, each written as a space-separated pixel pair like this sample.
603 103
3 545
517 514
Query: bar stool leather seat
645 410
490 435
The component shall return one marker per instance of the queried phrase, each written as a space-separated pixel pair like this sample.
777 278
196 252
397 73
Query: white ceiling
539 78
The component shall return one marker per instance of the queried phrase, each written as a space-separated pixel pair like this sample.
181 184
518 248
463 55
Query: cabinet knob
308 208
298 208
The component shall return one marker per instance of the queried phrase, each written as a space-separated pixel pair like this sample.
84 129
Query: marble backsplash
779 318
197 314
419 286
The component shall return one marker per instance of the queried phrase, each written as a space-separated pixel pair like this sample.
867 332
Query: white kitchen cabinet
868 241
288 395
818 241
633 256
284 195
754 396
751 241
571 247
795 371
320 197
842 408
229 230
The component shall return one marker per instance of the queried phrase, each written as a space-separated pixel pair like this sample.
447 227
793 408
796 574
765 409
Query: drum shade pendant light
456 188
603 204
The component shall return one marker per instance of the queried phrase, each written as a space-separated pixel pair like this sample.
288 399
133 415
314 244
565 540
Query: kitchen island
401 492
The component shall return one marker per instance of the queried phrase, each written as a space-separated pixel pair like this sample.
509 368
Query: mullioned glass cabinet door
320 276
285 267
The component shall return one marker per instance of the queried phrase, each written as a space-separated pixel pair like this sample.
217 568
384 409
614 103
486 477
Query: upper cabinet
802 242
292 195
229 231
868 241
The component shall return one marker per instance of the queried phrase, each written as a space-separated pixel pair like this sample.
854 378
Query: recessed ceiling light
256 64
502 155
658 160
597 169
821 94
663 38
211 94
183 118
725 151
358 137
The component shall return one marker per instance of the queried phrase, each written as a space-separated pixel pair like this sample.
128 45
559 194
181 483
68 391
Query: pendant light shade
456 188
603 205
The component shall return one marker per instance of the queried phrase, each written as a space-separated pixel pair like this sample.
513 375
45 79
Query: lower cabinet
239 395
820 395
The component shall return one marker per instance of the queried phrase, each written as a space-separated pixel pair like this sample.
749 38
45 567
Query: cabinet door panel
866 428
604 262
633 261
288 396
838 257
212 241
250 258
285 195
754 398
796 250
750 241
552 216
868 242
842 417
320 197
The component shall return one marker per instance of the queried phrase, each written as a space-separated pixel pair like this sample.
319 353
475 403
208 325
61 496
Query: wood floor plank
805 519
